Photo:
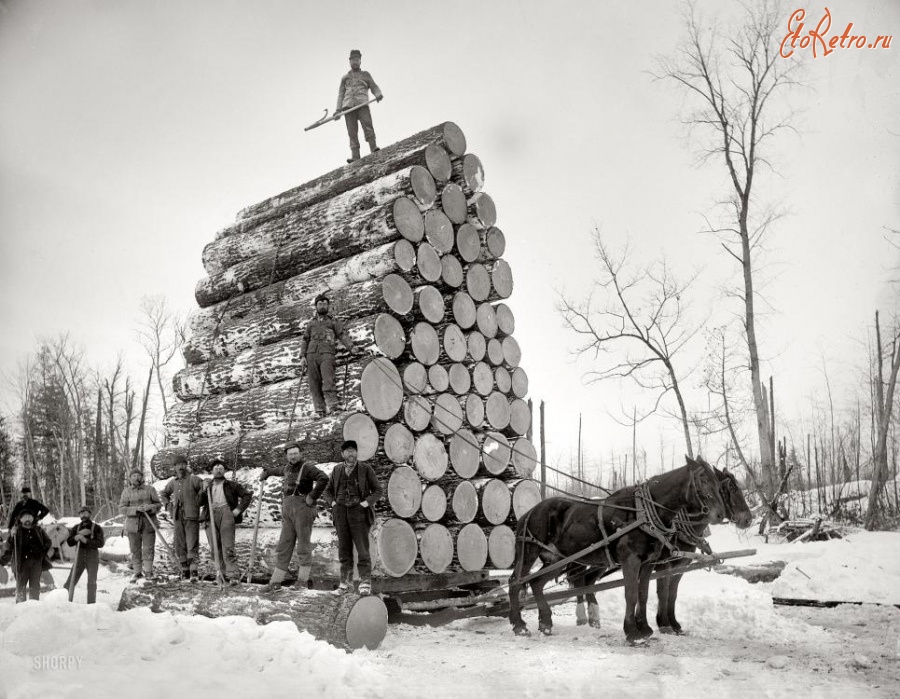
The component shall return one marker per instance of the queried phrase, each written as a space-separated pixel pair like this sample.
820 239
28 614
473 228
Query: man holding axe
353 102
87 538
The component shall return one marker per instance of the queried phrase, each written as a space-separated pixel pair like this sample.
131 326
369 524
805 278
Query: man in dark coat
227 500
354 91
28 504
317 348
302 485
88 537
352 491
27 550
182 498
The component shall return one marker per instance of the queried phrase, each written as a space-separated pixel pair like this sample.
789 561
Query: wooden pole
543 457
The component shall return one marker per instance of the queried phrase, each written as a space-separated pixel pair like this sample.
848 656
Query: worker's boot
302 582
275 581
372 147
354 155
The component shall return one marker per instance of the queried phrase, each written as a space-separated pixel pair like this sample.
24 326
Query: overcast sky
130 132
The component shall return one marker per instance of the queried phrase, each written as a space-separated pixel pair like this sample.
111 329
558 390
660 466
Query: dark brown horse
636 524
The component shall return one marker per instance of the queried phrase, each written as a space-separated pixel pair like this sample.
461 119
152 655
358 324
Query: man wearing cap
26 548
181 497
352 491
227 500
140 503
88 537
37 509
354 90
317 348
302 485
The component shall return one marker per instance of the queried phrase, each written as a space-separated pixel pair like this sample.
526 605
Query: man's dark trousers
352 526
88 559
360 116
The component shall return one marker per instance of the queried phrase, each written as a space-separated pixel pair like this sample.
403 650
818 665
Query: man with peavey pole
87 538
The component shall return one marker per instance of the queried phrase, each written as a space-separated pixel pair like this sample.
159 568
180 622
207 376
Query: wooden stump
436 547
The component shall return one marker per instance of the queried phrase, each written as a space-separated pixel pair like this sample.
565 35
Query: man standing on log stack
182 496
87 536
224 502
352 491
302 485
354 91
140 503
317 348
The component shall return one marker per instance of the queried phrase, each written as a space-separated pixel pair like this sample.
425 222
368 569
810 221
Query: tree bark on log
435 547
348 621
439 231
501 546
468 173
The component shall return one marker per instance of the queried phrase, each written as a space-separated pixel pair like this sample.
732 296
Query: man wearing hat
352 491
317 348
140 503
88 537
354 90
302 485
27 504
223 503
181 497
26 548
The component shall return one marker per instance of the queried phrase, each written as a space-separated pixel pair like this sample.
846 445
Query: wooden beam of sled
827 604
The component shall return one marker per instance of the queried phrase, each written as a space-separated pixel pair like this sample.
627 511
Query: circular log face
474 410
482 378
382 391
455 344
495 501
389 335
468 242
502 380
398 443
425 345
439 231
506 321
415 377
430 457
486 319
476 345
501 279
495 351
454 139
428 262
405 255
360 428
430 303
438 378
495 452
519 416
453 202
436 547
404 491
471 547
464 453
452 271
423 187
465 502
417 412
495 242
367 623
447 414
512 354
473 172
438 163
524 457
483 212
502 546
526 494
434 503
496 409
397 294
464 312
478 282
460 380
394 546
519 382
408 220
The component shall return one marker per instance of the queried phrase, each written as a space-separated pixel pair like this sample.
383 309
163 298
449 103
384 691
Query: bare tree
734 83
161 333
637 330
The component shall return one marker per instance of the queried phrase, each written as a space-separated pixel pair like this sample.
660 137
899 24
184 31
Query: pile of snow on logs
405 243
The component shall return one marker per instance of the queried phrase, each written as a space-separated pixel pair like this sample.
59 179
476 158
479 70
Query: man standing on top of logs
37 509
182 496
354 91
140 503
317 350
27 549
87 536
352 491
228 500
302 485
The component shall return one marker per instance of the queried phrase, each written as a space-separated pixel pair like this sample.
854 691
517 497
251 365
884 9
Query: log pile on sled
405 243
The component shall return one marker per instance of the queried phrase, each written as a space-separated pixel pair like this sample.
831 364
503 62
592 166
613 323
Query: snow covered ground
738 644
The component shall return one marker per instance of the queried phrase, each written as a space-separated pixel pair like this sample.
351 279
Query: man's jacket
132 497
321 335
300 479
183 495
38 509
26 546
354 89
236 495
94 541
369 489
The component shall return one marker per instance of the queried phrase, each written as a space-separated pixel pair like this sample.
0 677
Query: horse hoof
546 630
667 630
594 624
521 631
637 642
581 622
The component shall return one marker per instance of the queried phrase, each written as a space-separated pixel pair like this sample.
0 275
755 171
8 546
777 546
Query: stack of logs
405 243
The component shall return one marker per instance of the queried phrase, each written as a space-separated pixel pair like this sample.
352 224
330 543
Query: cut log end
397 294
454 139
361 429
381 389
464 454
430 457
453 203
404 491
438 163
424 189
390 338
398 443
471 547
408 220
434 503
468 242
439 231
395 546
436 547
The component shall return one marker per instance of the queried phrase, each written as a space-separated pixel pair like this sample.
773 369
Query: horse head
736 506
703 490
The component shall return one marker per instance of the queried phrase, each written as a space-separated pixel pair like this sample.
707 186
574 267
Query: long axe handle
172 555
255 532
325 119
72 572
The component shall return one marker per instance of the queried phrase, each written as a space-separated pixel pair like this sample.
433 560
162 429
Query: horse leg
545 616
593 607
580 617
523 565
631 565
673 595
663 590
643 593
